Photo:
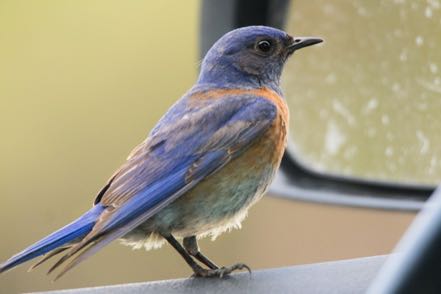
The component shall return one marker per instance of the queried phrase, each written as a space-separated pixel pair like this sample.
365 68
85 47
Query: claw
220 272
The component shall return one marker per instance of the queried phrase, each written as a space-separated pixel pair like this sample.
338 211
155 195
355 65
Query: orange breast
275 139
276 136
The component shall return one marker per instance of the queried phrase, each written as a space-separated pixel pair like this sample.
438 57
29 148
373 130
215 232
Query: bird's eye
264 46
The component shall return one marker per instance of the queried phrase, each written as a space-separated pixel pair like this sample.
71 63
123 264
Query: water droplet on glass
389 151
424 142
403 55
331 79
428 12
385 120
334 138
419 40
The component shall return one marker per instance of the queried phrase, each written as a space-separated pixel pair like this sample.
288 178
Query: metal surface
340 277
296 180
415 267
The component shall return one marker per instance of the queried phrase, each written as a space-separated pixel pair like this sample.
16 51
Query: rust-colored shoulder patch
261 92
276 99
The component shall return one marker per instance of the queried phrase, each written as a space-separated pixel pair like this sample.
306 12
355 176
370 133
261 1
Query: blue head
250 57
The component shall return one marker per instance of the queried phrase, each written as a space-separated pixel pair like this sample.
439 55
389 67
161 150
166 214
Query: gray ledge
344 276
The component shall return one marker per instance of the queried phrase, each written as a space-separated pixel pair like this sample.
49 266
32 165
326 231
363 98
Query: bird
205 163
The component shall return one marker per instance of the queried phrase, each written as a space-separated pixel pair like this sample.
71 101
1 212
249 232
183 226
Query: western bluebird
208 159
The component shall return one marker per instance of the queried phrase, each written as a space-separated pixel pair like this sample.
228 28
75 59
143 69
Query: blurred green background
81 83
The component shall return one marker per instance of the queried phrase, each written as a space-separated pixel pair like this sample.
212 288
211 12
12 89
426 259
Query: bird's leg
197 269
191 245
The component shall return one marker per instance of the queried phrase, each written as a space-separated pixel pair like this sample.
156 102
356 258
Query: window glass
367 103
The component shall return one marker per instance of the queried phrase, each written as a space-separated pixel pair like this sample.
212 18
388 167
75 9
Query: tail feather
89 250
68 234
48 256
92 244
85 249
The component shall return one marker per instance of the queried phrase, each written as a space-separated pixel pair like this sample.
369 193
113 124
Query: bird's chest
221 201
245 179
273 143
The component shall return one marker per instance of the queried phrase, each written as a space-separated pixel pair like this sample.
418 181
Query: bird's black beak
302 42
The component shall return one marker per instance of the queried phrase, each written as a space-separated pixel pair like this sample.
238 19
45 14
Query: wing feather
172 160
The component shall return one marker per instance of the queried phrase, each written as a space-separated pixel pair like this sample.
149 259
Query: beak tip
302 42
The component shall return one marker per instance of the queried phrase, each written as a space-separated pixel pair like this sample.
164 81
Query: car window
367 102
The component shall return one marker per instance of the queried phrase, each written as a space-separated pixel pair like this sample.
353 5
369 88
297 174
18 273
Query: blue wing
194 140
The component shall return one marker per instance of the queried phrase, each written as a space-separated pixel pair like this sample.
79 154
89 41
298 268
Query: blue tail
76 229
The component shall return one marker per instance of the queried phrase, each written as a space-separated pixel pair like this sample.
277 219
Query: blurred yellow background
81 83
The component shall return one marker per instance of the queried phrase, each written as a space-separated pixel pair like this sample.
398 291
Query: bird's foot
220 272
